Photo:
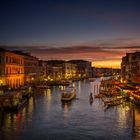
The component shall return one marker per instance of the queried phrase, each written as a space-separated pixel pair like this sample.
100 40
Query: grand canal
46 118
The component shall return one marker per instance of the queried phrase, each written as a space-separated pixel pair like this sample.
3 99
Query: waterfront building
11 69
84 69
101 72
31 64
73 70
130 68
54 73
55 70
69 70
42 71
61 70
31 68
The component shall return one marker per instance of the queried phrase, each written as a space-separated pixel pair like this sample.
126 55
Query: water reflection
123 115
136 123
47 117
48 96
66 106
16 120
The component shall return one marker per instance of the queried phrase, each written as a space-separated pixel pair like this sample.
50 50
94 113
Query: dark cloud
98 50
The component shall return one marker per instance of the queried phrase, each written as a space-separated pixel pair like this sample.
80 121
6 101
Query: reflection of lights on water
24 111
49 97
79 87
49 94
127 108
31 105
8 121
122 116
11 119
62 88
18 116
137 123
65 108
96 86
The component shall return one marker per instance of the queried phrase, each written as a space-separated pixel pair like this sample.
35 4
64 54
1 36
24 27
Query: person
91 97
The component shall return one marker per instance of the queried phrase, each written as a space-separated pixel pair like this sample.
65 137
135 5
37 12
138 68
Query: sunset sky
101 31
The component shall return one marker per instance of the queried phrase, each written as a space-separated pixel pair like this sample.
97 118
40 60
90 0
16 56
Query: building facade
84 68
130 68
42 71
31 65
11 69
55 70
54 73
69 70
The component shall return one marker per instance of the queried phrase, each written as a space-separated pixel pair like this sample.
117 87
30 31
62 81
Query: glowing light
32 78
1 82
107 64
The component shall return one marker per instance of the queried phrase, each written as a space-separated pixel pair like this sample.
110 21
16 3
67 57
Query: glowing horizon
107 64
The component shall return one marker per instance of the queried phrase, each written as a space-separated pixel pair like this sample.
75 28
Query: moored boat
68 94
135 97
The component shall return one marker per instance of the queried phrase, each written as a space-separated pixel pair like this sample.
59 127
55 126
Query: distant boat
68 94
135 97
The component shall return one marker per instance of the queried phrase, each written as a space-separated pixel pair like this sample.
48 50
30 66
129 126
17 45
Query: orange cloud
103 53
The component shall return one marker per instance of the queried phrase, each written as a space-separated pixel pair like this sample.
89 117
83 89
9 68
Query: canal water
46 118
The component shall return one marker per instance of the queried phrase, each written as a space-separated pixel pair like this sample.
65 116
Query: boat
68 94
135 97
114 101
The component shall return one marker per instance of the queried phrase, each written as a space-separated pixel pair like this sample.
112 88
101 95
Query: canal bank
46 117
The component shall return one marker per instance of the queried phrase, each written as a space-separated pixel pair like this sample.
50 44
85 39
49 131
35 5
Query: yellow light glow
1 82
32 78
107 64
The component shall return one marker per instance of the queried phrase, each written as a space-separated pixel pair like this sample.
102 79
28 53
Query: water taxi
68 94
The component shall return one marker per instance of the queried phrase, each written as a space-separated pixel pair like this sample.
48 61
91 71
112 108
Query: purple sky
71 29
